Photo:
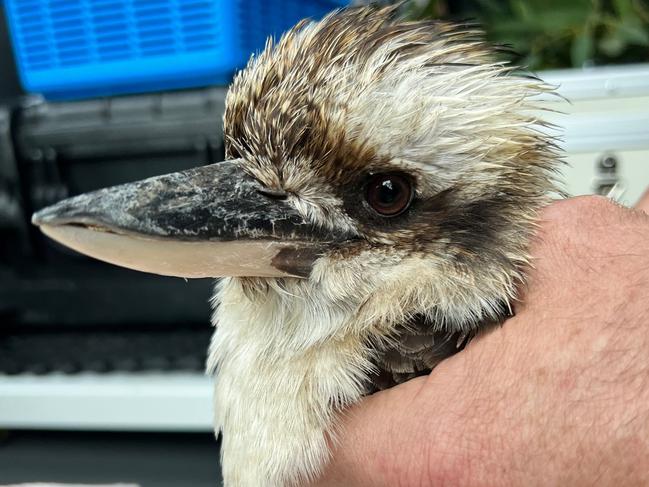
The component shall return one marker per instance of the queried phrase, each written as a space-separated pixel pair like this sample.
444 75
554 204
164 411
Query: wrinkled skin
559 395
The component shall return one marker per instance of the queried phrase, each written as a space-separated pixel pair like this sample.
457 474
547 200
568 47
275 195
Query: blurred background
101 368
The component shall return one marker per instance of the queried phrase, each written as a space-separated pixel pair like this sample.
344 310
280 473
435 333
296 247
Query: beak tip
47 215
69 210
40 217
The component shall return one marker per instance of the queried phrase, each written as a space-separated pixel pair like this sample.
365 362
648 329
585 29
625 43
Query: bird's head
366 155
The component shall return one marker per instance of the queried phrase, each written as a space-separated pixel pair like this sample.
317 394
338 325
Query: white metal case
605 123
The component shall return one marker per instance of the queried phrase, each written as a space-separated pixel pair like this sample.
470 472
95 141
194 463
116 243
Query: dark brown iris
389 194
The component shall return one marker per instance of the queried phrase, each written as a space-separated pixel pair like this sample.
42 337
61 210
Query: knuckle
583 217
579 208
592 203
569 228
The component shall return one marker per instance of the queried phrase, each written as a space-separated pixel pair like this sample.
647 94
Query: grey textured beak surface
209 221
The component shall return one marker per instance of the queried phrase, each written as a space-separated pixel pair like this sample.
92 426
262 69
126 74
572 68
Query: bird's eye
389 194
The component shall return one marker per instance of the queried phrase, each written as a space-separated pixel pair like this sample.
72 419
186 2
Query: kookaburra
374 213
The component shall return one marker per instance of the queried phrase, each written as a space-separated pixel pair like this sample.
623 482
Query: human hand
559 395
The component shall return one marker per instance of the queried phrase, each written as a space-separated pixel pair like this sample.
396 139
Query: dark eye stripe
389 194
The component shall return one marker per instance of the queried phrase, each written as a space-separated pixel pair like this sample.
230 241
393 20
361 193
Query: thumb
406 435
366 450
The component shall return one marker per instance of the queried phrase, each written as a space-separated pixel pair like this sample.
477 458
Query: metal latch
607 180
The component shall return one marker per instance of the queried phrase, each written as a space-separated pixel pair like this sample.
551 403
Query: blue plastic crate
70 49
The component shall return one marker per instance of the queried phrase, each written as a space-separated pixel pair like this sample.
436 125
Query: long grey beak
210 221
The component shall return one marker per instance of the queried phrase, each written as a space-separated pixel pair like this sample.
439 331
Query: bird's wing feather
417 349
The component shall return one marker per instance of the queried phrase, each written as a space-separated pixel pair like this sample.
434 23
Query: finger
643 202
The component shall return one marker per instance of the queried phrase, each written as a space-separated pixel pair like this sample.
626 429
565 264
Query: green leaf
612 45
536 7
513 27
432 9
634 32
521 9
624 8
582 48
492 7
558 20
